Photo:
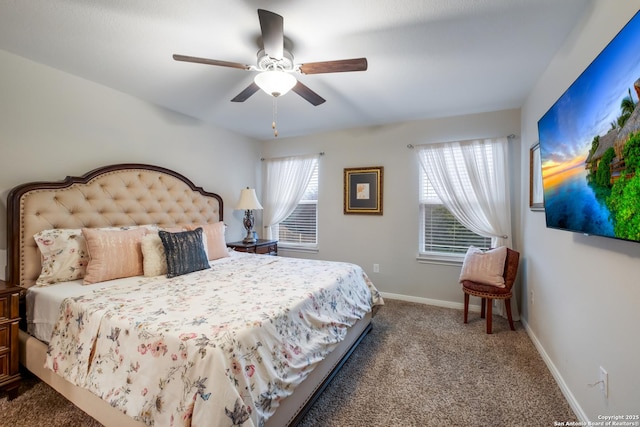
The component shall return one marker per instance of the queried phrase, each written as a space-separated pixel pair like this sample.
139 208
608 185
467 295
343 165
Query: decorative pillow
485 267
64 255
216 245
154 261
184 252
113 254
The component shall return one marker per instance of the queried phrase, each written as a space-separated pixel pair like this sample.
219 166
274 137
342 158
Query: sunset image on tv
590 145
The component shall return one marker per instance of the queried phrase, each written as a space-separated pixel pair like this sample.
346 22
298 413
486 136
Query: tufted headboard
111 196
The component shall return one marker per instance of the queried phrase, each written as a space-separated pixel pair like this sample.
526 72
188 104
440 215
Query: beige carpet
419 366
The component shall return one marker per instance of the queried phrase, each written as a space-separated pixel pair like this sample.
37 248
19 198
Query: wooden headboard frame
111 196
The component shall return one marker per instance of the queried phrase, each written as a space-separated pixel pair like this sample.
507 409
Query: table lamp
248 202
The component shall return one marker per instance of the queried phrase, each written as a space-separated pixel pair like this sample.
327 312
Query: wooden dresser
261 246
9 347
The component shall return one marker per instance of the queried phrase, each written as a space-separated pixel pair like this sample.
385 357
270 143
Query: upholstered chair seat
482 289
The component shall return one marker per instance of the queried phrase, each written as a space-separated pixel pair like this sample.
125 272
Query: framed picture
536 201
363 190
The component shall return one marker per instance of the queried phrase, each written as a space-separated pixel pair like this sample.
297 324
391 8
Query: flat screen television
590 145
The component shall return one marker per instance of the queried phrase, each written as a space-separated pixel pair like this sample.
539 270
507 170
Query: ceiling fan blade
272 27
211 62
246 93
308 94
340 66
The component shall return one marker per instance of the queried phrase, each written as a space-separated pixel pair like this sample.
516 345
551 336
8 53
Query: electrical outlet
604 382
376 268
531 296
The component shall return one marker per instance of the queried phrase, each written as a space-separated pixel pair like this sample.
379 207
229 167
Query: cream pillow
154 262
113 254
486 267
214 240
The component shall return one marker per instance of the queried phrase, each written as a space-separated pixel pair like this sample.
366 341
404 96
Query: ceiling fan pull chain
275 117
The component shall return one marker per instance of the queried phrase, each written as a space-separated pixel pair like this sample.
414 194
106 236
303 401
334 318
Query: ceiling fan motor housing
265 62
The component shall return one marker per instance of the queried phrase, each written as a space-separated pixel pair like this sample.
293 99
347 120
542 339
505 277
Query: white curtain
286 180
471 180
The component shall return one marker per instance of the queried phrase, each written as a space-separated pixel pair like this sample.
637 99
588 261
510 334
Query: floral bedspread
219 347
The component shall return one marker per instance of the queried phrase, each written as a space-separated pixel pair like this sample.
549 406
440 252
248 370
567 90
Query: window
300 229
440 232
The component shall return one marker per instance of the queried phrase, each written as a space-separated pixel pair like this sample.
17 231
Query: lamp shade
275 83
248 200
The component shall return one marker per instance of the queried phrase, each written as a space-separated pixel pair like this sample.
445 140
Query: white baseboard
438 303
575 406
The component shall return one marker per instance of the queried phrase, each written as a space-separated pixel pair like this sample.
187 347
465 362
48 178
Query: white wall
585 312
390 240
53 124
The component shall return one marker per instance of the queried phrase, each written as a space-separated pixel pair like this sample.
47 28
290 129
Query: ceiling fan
276 66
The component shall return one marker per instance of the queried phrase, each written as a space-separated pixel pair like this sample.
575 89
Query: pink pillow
113 254
486 267
216 244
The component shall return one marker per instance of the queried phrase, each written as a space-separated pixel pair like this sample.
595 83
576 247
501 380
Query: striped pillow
113 254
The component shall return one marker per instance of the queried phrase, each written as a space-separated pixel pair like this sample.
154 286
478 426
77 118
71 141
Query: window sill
292 248
441 259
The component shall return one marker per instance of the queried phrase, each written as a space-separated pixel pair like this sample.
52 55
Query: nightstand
9 329
261 246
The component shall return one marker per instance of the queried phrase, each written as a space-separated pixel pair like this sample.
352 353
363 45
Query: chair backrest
511 267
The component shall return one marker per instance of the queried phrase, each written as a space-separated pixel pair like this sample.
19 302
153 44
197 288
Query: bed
238 341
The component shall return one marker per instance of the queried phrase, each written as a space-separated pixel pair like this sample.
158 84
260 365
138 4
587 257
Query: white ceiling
427 58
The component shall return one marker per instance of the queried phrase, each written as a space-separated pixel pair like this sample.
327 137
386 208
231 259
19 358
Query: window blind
301 227
441 232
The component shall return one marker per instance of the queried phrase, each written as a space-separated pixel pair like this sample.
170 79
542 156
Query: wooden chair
488 293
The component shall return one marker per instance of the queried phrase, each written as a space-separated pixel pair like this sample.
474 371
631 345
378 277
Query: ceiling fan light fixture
275 83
